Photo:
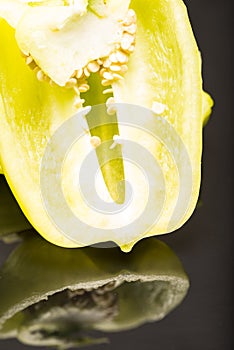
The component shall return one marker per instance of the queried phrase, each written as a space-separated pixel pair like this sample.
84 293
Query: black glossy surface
204 244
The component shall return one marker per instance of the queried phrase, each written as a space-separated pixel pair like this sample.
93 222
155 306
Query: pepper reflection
12 219
55 296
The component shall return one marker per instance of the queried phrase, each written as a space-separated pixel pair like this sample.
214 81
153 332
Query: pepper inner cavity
84 306
110 69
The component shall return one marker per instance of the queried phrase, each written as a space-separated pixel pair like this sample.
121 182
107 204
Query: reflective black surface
204 244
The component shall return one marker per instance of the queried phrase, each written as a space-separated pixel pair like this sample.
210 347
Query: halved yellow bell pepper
145 53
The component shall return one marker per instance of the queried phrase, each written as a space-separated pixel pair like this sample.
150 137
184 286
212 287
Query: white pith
111 68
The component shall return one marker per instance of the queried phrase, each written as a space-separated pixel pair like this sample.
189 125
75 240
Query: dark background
204 244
